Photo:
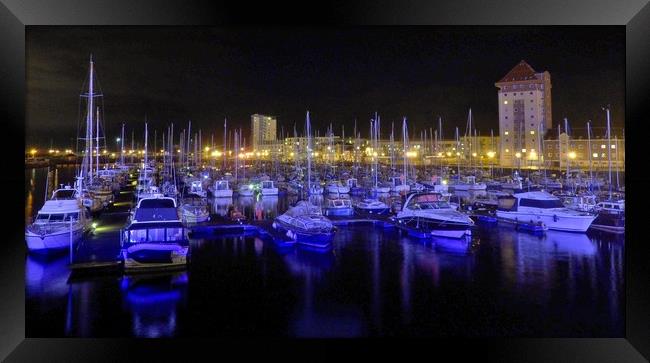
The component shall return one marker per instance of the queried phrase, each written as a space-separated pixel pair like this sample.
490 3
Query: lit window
532 132
603 146
505 133
507 150
523 150
613 146
595 155
505 102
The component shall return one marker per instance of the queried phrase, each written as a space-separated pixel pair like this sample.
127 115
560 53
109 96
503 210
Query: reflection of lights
444 182
491 154
572 155
595 155
518 155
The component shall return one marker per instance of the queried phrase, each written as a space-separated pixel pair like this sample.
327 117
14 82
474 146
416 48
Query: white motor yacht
62 220
428 214
536 207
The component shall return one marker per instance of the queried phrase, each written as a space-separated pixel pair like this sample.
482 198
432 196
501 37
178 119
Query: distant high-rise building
524 115
263 130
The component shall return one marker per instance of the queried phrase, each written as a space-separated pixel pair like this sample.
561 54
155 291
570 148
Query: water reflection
318 315
153 302
568 244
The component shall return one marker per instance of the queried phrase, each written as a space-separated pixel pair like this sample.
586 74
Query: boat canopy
60 206
63 194
157 203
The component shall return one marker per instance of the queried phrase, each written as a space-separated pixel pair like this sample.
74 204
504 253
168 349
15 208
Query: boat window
545 203
56 217
42 217
73 216
156 235
616 206
157 203
174 234
64 194
138 235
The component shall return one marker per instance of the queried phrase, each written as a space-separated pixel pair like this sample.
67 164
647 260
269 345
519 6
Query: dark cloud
176 74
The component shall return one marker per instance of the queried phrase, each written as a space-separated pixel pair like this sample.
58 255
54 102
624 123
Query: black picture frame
15 15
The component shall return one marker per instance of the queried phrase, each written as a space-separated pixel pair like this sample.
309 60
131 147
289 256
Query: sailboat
469 183
378 188
400 184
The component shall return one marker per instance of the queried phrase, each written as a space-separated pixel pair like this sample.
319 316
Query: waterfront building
524 98
263 130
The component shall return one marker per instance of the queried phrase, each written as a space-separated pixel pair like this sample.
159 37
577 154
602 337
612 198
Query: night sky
174 74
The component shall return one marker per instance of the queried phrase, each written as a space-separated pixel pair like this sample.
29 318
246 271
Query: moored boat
428 214
61 221
154 236
542 207
305 224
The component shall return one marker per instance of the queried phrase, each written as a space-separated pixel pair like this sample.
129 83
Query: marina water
373 282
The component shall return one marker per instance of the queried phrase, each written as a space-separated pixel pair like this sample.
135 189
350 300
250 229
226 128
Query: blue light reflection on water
373 282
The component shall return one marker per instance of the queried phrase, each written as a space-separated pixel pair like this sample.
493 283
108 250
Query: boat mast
146 160
617 163
458 154
404 139
122 146
132 144
97 144
468 135
540 145
187 146
609 148
89 121
591 175
568 159
308 153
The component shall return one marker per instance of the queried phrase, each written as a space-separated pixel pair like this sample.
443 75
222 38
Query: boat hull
222 193
426 227
317 240
52 242
383 211
338 211
565 223
148 256
609 223
269 191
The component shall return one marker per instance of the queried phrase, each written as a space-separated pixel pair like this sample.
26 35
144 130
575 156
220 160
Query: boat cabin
426 201
611 206
541 200
352 183
64 194
339 203
154 232
222 185
196 186
267 184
